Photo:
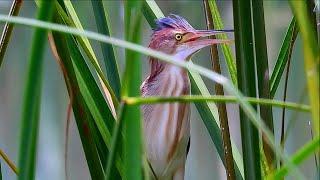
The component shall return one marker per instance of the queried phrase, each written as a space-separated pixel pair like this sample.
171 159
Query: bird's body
167 126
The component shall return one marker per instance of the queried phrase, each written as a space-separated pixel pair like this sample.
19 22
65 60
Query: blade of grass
97 116
246 83
311 58
93 88
229 87
302 154
210 117
103 24
82 114
97 137
7 30
94 98
115 143
262 69
226 49
56 55
208 111
311 12
85 44
284 56
151 12
284 99
91 93
32 97
131 83
222 110
9 162
314 155
215 98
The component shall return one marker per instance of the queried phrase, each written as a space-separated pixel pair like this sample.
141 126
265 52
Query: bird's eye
178 36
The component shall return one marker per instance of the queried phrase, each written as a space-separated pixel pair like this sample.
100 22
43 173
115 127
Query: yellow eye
178 36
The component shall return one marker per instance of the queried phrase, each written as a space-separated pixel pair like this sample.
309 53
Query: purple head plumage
174 35
172 21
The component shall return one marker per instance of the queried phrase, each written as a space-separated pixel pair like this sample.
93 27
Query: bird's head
175 36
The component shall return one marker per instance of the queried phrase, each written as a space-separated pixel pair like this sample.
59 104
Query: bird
167 126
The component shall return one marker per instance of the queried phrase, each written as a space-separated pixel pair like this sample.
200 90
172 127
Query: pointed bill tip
205 33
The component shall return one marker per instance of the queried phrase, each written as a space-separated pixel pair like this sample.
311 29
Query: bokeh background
203 162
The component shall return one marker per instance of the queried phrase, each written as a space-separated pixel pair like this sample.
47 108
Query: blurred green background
203 162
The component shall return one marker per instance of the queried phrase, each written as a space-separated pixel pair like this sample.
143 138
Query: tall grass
31 103
247 84
109 119
7 30
222 110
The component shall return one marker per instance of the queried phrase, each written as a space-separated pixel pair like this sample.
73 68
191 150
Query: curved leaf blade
283 57
103 25
82 114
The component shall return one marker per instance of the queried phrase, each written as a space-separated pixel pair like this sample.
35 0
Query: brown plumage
167 126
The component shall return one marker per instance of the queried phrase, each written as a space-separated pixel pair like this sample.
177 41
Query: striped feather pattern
166 126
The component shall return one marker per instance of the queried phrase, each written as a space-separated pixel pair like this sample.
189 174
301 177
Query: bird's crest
172 21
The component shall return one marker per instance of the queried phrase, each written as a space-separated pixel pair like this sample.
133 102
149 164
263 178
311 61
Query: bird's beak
194 41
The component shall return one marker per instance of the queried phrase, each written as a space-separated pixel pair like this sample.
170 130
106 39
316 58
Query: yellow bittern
167 126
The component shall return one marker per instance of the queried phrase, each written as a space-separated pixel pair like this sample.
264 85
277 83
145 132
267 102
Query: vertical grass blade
32 97
115 147
82 114
100 112
282 133
262 68
222 110
98 118
311 58
283 57
92 94
207 112
227 52
131 83
85 44
7 30
246 84
103 25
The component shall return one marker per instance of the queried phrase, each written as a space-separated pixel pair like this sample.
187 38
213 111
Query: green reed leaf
283 57
82 114
103 25
131 87
226 49
311 58
32 97
262 69
7 30
85 44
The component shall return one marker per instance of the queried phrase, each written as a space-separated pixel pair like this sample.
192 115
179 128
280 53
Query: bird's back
166 125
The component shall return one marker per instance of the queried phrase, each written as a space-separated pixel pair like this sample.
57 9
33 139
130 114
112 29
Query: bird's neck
166 80
157 67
